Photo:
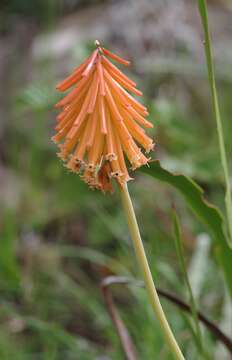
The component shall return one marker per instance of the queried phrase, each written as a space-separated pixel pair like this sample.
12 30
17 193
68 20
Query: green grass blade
211 74
180 254
207 213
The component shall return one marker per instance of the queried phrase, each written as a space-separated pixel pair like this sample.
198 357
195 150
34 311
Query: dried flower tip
110 157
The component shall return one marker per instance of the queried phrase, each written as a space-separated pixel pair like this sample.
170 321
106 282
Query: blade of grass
180 254
211 75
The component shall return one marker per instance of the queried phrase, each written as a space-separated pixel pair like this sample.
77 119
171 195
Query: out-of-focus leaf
9 270
37 97
206 212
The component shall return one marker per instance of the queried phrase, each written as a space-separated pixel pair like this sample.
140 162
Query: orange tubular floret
121 159
102 114
126 85
91 62
139 134
139 107
76 93
70 114
99 125
69 144
70 81
94 120
83 113
131 150
114 70
140 119
69 119
112 106
130 88
110 147
115 57
101 77
94 94
73 78
82 146
95 153
123 96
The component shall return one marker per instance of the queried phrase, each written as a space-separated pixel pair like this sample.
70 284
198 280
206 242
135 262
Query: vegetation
60 240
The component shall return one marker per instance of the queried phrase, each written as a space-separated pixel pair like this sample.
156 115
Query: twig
208 323
213 328
124 336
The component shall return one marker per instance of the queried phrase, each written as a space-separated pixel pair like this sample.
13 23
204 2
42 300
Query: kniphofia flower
101 124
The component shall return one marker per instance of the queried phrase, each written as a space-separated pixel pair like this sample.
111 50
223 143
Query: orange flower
100 122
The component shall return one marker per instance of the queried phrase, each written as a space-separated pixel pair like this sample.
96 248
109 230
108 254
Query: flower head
100 122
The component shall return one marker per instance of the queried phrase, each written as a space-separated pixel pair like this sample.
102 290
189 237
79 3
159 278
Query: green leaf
193 305
9 269
207 213
212 82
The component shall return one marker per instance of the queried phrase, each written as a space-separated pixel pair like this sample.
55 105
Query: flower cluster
100 122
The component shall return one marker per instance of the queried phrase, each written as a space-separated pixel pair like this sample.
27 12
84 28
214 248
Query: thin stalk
211 74
193 306
146 272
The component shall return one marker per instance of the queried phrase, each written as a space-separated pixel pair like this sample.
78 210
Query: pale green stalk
210 66
147 276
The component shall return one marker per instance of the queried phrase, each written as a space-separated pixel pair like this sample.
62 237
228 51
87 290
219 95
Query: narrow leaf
207 213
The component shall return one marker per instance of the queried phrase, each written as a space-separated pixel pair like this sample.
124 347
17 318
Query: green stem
210 66
193 306
144 267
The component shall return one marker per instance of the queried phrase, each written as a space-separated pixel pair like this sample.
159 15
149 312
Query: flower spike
100 122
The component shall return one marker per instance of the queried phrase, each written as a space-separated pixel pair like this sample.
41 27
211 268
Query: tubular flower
100 122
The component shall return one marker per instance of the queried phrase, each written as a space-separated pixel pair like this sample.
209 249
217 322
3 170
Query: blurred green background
58 239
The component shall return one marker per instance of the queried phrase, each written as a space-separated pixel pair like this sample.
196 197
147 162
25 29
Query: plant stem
144 267
210 66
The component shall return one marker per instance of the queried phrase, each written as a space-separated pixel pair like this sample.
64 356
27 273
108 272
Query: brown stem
123 334
208 323
213 328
